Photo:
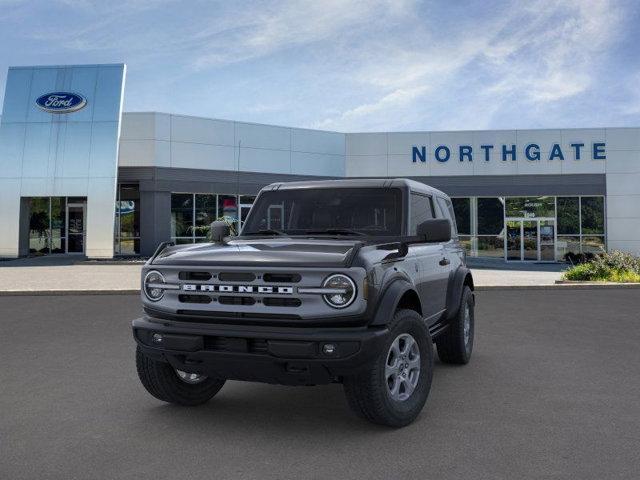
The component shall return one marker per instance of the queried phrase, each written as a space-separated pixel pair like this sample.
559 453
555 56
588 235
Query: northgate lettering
531 152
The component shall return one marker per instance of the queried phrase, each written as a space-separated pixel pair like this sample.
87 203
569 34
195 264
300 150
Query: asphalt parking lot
553 391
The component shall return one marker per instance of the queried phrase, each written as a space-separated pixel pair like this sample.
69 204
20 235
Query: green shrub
607 267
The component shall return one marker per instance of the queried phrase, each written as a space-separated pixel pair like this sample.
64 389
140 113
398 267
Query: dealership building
80 176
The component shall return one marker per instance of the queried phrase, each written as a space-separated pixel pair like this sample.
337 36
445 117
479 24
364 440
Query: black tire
452 346
368 393
161 380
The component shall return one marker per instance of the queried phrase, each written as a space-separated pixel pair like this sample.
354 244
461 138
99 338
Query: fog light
328 349
157 338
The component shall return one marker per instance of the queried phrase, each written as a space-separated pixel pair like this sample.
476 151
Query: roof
356 183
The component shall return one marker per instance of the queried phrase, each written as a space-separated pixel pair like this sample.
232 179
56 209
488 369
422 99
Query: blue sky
375 65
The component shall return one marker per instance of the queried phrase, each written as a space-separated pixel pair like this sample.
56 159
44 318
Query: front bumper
288 356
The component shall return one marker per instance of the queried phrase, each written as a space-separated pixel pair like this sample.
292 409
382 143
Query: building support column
155 220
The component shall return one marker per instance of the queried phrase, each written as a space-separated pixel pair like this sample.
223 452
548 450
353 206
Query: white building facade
521 195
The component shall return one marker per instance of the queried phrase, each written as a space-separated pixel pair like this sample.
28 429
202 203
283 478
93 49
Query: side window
446 207
421 209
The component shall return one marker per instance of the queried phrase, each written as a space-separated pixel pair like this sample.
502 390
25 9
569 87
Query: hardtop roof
357 183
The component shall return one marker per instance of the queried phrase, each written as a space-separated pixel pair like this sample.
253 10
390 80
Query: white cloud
534 55
349 64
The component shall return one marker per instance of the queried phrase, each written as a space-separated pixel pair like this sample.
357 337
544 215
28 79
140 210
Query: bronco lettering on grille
259 289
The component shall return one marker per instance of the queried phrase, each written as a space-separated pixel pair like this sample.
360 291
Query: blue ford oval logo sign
61 102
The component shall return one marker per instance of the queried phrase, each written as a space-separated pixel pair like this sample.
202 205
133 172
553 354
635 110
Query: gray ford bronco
347 281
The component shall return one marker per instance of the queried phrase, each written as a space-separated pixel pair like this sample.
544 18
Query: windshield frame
403 191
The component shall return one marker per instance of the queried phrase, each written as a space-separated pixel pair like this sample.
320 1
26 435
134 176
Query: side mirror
435 230
219 230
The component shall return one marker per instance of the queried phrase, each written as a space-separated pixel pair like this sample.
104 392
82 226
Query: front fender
389 300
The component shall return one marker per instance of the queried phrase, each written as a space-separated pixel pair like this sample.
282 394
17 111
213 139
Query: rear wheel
175 386
393 389
456 344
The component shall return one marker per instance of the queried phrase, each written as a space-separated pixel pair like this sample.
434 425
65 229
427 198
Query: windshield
335 211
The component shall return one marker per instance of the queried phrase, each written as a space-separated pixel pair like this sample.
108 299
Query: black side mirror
435 230
219 230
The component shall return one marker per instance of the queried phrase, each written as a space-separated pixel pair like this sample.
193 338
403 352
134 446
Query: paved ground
63 275
553 391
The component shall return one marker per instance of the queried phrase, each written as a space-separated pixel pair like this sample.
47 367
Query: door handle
444 262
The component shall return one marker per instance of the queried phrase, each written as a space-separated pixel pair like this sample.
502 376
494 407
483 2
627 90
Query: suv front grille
281 277
194 298
236 277
228 300
282 302
195 276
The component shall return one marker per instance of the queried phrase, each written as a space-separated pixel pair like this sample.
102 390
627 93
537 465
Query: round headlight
344 291
151 289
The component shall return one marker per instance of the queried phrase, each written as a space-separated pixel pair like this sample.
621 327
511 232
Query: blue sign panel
61 102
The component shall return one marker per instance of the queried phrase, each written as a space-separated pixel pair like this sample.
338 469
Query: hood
275 252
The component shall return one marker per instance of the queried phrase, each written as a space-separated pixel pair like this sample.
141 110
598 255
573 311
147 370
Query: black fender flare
461 277
389 300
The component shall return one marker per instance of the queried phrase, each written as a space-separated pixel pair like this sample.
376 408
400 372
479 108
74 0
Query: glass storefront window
567 244
592 214
228 207
462 209
490 216
39 225
182 215
193 213
48 229
205 213
490 246
593 244
530 207
579 225
568 216
466 242
127 227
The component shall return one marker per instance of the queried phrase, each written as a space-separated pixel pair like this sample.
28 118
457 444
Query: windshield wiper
267 231
334 231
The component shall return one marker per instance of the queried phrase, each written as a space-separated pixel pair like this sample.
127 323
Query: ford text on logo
61 102
531 152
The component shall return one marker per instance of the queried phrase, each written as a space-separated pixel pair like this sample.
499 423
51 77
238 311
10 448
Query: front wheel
175 386
393 389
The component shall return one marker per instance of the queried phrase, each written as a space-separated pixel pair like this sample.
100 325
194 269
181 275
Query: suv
347 281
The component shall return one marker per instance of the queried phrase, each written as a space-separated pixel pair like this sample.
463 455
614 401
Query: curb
562 286
38 293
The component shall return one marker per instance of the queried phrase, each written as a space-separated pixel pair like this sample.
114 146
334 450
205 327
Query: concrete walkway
67 275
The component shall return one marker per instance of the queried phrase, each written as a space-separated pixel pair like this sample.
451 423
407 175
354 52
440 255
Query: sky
350 65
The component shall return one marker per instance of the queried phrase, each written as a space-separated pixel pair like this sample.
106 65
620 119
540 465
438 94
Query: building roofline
153 112
84 65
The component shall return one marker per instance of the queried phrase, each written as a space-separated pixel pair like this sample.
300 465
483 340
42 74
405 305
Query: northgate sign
531 152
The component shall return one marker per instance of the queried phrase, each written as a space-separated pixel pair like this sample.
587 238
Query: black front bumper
288 356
